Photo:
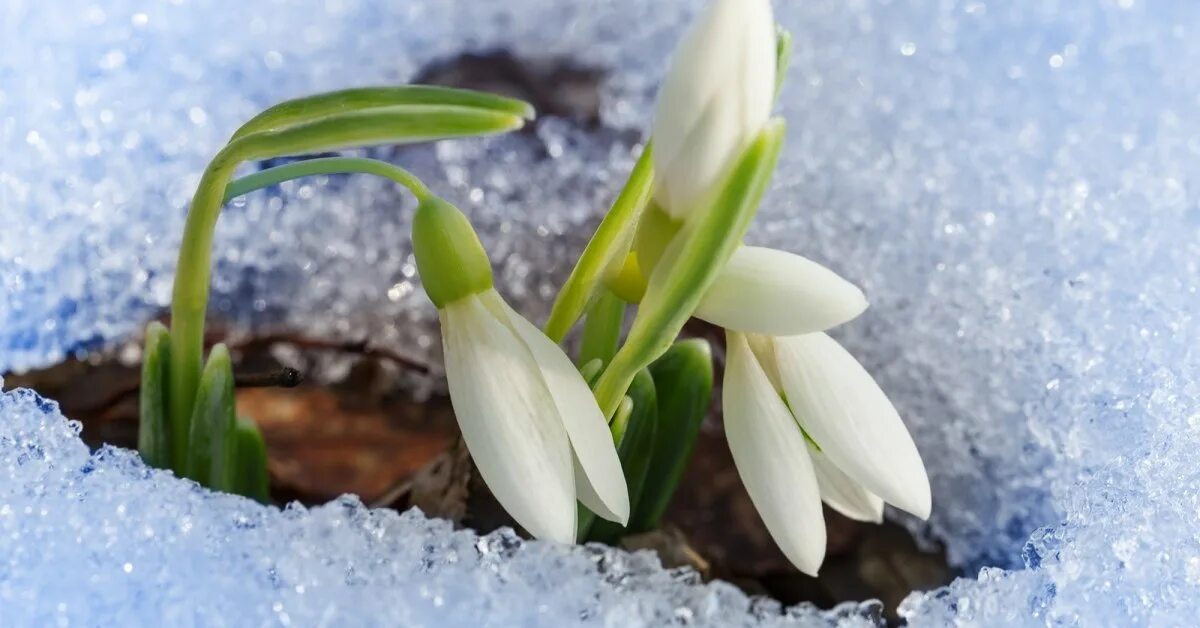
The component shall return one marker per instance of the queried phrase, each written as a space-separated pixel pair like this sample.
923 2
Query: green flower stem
398 124
326 165
689 265
602 328
609 243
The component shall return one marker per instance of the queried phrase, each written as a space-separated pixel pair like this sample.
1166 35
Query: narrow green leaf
153 442
690 264
210 455
636 437
683 379
783 57
610 243
602 328
251 478
309 108
397 124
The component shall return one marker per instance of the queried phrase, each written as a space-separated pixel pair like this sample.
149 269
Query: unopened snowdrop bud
527 416
715 100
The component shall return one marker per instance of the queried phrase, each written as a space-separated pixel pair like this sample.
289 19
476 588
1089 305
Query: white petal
851 419
715 98
844 494
599 480
778 293
772 459
508 420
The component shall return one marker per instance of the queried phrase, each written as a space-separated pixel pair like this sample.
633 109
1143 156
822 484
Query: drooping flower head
527 416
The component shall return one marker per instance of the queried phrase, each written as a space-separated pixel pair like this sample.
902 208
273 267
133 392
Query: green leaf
602 328
636 438
153 442
309 108
608 246
251 478
690 264
210 447
783 57
683 378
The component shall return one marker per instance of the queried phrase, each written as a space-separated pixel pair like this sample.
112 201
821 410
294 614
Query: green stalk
326 165
602 328
609 243
395 125
689 266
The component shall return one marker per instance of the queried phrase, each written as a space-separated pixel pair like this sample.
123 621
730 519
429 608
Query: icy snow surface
102 540
1012 183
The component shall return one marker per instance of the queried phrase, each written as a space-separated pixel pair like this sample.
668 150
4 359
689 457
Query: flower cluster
806 423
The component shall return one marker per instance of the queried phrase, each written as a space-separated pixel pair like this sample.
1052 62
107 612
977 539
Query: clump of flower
614 429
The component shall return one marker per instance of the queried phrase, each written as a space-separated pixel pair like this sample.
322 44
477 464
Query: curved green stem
395 125
326 165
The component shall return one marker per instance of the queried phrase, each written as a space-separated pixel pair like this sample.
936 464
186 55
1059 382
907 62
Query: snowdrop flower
715 99
806 423
528 418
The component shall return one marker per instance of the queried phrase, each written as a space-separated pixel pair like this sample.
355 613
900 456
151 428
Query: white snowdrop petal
508 420
852 420
777 293
695 76
772 459
599 479
842 493
757 66
709 148
715 98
